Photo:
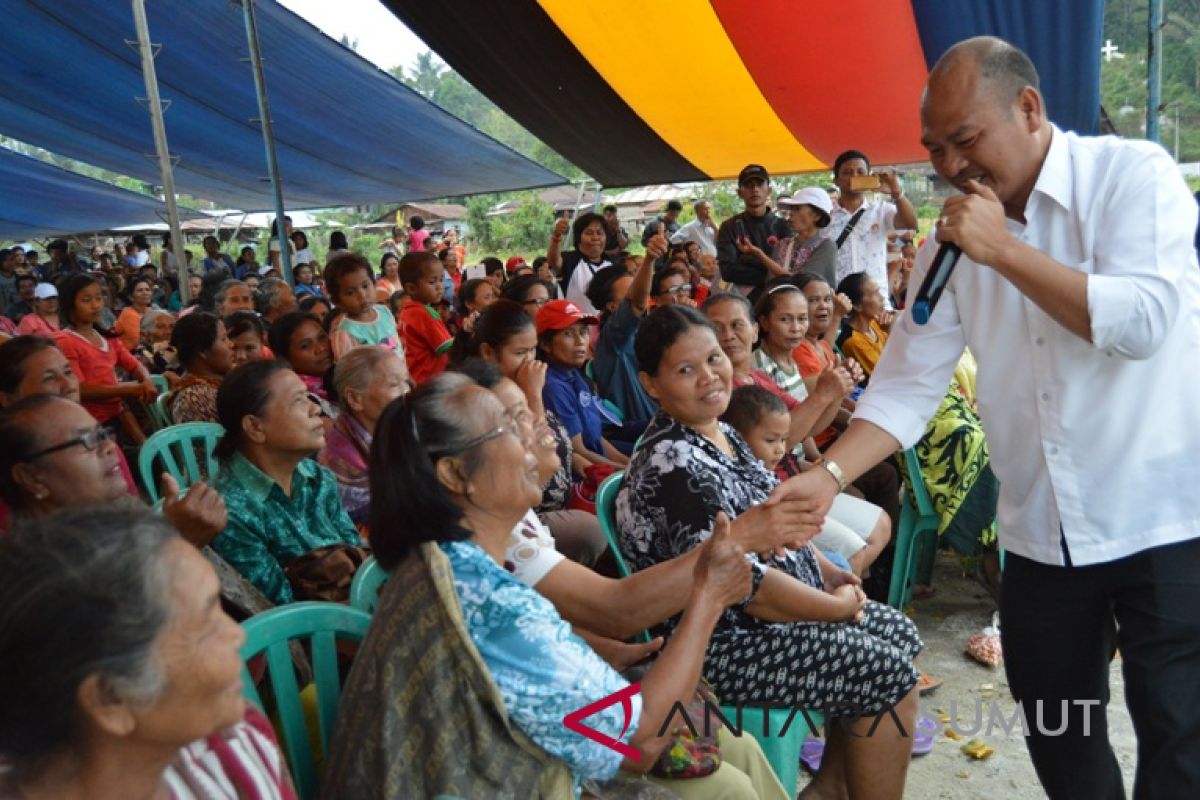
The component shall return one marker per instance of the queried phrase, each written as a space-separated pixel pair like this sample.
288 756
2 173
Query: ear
450 475
26 477
1032 109
103 710
649 384
252 429
353 399
487 352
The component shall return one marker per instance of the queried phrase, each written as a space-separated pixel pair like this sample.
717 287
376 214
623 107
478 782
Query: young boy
427 341
855 531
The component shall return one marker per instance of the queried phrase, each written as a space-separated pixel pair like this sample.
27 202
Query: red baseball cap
559 315
513 262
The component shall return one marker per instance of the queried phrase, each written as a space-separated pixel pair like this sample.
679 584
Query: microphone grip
935 281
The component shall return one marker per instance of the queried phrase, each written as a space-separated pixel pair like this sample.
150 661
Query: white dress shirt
1097 440
702 234
865 249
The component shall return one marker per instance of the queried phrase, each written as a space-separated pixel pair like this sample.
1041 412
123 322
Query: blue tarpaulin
346 132
39 199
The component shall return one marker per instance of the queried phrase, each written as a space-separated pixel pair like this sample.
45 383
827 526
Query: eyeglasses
539 302
89 441
683 288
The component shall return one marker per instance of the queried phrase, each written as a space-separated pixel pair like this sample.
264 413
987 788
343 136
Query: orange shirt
129 327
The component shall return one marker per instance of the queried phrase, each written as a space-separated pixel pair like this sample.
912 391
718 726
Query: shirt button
1045 396
1053 451
1040 341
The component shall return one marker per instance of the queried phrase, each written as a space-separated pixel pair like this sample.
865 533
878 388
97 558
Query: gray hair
85 593
701 202
223 289
149 318
356 368
268 294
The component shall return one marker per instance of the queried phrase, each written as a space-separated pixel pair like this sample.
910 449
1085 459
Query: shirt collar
258 483
1054 181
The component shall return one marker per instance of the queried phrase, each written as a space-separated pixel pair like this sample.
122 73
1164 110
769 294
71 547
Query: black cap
753 171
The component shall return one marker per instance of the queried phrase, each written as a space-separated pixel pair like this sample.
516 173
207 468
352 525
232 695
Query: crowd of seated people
455 429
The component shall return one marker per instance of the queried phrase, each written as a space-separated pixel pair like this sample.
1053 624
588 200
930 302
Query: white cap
810 196
45 291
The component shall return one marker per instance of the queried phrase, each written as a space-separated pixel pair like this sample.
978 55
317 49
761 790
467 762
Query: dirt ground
958 609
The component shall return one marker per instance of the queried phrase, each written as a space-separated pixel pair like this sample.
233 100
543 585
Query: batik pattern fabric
542 669
676 483
558 488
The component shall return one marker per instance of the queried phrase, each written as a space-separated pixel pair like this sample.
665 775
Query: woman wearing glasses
530 291
491 659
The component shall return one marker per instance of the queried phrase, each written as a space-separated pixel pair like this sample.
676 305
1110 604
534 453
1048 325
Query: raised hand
834 383
722 570
200 516
561 226
842 305
657 245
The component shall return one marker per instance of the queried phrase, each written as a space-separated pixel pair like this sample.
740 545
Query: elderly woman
122 676
155 350
288 532
788 641
366 380
806 250
451 476
206 355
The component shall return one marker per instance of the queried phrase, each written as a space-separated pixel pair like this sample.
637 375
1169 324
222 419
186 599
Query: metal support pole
154 103
268 133
1154 64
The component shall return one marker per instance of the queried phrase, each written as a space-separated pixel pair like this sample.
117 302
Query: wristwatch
833 469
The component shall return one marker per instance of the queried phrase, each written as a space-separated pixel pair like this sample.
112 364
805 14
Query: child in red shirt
427 341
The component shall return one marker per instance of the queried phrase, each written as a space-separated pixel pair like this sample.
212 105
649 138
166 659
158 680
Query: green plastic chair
271 632
916 541
160 383
364 589
177 445
159 412
606 512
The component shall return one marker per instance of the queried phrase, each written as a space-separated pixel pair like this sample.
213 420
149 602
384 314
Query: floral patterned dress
676 483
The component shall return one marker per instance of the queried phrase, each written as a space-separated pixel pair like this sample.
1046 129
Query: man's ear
101 707
1032 108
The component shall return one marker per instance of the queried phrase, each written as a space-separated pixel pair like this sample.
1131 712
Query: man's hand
889 181
975 222
200 516
744 245
722 571
816 485
769 528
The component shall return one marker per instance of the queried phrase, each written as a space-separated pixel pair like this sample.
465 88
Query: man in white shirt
1079 295
859 228
702 230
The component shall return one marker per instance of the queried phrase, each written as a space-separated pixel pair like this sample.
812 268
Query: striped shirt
239 763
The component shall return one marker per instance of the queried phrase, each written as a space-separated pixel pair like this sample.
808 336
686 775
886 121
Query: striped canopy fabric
638 92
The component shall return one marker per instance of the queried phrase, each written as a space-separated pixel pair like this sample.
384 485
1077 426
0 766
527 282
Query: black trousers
1060 627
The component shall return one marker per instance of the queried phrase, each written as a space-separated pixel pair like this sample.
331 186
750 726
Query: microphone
935 281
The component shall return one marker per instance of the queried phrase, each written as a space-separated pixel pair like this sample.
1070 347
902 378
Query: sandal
927 685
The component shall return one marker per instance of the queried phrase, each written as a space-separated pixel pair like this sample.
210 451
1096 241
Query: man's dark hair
610 209
849 155
674 205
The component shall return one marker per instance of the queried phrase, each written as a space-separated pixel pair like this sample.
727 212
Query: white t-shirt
529 554
865 249
581 279
304 256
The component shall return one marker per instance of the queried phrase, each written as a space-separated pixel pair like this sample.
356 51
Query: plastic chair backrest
271 631
160 383
158 412
606 512
176 445
916 482
364 589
